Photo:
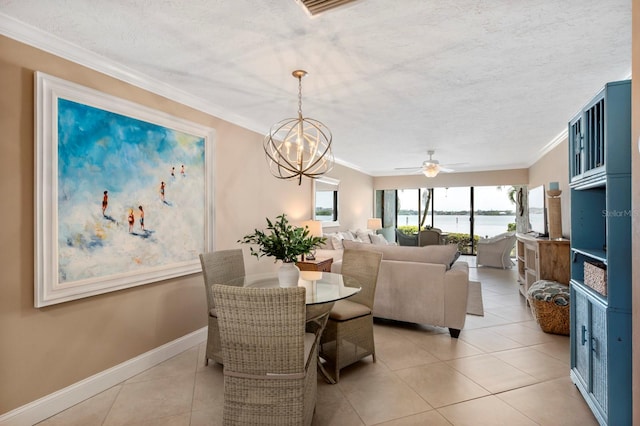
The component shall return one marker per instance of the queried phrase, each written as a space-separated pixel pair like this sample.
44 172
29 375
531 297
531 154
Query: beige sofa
421 285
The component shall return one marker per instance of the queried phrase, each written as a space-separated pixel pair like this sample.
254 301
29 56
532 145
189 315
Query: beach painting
129 192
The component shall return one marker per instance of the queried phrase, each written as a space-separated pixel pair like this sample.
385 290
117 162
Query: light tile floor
503 370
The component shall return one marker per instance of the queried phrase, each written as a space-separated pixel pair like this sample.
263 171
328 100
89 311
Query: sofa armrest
456 284
336 267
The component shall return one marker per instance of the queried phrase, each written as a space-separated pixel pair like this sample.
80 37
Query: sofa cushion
439 254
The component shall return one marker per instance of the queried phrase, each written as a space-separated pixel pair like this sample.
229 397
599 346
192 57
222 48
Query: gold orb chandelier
297 147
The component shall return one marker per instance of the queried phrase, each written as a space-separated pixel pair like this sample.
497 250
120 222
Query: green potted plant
283 242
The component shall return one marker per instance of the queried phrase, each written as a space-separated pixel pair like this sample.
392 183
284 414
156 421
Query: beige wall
635 205
355 198
44 350
554 167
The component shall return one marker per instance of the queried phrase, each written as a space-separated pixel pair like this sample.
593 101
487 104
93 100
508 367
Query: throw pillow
336 241
378 240
347 235
455 257
363 234
328 245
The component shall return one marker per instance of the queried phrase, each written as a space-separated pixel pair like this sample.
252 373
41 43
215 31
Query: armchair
496 251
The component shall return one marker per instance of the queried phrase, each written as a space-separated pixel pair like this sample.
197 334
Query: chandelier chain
300 96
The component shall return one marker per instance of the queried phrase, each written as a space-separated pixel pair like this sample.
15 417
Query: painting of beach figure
129 201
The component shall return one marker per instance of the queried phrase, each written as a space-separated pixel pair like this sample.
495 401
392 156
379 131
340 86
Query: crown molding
550 145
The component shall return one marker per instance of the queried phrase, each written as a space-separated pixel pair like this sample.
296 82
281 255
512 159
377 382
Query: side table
319 265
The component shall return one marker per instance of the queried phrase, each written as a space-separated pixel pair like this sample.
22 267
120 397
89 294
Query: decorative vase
288 274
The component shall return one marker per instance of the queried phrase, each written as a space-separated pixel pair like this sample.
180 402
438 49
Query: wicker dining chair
270 363
218 267
348 335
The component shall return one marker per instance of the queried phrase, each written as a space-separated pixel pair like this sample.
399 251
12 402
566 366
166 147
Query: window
325 200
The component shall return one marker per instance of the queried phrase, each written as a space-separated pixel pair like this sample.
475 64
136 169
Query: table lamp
374 223
315 230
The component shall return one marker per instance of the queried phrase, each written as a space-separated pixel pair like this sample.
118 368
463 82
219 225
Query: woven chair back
429 237
220 266
261 329
363 266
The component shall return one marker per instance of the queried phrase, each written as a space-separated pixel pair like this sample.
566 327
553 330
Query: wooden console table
542 259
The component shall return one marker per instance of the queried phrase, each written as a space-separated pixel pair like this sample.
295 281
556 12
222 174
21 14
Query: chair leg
206 360
454 332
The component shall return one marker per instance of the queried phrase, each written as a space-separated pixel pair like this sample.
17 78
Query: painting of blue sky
130 194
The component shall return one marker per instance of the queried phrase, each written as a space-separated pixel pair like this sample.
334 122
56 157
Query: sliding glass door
459 212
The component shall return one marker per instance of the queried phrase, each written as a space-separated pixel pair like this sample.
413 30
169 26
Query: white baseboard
49 405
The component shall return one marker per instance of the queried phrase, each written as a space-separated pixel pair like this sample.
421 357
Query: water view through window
449 209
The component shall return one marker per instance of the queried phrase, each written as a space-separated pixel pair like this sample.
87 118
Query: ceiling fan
429 167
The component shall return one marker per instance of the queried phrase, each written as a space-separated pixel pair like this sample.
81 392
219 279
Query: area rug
474 299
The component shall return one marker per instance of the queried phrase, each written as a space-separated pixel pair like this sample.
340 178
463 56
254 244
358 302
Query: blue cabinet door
599 379
581 336
575 148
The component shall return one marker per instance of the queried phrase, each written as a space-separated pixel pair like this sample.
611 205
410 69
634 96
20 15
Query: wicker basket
595 276
549 303
551 317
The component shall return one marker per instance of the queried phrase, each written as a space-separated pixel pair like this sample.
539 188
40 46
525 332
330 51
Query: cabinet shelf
541 259
599 255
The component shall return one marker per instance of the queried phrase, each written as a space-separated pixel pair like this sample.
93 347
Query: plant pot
288 275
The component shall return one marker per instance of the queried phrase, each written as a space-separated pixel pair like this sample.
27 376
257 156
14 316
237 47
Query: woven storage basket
550 308
595 276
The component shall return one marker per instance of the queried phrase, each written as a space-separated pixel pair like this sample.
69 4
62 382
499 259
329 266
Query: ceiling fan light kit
297 147
431 167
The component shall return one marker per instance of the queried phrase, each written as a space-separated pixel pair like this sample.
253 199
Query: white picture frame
101 161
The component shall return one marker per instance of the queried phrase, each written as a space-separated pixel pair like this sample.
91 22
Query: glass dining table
323 289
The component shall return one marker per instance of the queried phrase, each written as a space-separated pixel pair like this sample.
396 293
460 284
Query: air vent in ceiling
316 7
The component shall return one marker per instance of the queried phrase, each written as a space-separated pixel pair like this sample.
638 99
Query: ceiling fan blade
408 168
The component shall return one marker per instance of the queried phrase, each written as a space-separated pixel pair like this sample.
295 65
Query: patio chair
348 335
430 237
496 251
270 363
406 240
218 267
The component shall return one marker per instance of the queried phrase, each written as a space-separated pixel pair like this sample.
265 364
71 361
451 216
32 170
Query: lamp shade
315 227
374 223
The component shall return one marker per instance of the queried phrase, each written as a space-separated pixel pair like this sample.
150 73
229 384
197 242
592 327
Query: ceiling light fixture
431 167
297 147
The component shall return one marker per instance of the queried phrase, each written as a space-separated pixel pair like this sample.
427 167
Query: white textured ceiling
489 84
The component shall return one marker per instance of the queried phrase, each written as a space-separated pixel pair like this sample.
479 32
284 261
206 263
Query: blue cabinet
600 181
